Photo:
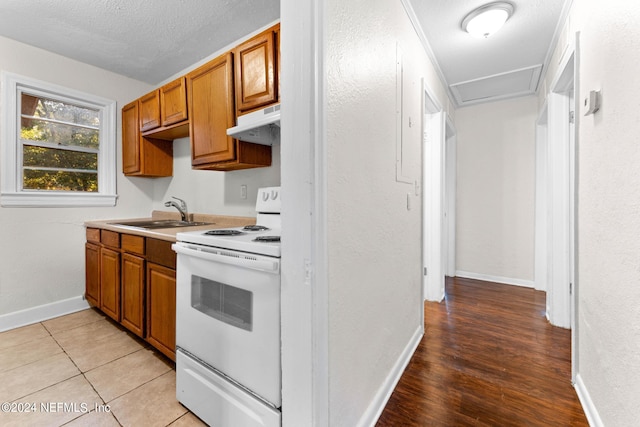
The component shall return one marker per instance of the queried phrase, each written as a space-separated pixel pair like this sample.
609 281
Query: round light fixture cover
487 19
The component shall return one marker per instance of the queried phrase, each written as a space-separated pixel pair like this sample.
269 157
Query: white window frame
11 193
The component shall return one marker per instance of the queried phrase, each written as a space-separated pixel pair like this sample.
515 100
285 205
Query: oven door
228 315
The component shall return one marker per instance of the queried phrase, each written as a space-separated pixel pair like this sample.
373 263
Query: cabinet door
130 139
161 308
92 274
211 111
110 282
150 111
255 72
278 60
132 293
173 102
143 156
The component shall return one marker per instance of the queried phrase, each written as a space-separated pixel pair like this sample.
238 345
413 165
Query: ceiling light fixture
487 19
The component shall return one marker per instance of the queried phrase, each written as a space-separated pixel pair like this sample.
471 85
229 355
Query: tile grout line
50 334
36 361
118 358
82 373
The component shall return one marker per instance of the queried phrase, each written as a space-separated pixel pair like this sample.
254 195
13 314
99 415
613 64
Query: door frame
450 153
542 211
556 260
433 201
561 193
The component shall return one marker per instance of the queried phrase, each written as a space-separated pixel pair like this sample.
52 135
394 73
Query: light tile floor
84 370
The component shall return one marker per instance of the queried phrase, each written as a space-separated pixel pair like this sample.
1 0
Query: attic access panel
499 86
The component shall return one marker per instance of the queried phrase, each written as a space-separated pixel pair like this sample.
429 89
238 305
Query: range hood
260 127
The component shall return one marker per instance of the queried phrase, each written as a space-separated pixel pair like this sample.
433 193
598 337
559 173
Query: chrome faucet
182 207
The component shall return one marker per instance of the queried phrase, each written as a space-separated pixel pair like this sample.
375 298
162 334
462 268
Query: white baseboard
42 312
497 279
373 412
587 404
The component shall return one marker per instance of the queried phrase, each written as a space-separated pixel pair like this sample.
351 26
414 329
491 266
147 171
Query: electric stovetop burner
223 232
267 239
255 227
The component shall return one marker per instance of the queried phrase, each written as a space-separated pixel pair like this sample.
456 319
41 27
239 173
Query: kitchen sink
160 223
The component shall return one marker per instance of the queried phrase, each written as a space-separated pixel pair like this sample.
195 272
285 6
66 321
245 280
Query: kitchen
353 388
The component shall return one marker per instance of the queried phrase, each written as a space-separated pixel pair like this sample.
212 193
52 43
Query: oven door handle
255 263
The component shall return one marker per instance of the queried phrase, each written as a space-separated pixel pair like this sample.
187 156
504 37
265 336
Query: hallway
488 357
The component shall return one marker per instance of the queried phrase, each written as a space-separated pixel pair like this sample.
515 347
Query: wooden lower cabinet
161 308
92 273
133 293
132 279
110 282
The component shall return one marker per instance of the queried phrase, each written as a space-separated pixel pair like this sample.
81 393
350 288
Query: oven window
231 305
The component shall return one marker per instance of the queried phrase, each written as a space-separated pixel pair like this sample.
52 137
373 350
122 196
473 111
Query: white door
433 205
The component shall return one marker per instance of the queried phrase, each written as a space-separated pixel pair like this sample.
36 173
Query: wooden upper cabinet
142 156
210 92
173 102
150 111
203 105
255 71
130 139
165 106
278 67
211 110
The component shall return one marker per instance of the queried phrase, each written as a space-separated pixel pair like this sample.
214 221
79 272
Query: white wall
374 242
608 205
214 191
496 190
42 249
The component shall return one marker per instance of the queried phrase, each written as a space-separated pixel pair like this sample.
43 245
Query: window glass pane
59 123
55 133
61 159
60 180
52 109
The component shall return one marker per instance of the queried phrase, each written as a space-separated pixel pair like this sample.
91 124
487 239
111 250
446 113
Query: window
58 146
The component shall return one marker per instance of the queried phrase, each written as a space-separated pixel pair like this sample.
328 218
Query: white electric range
228 365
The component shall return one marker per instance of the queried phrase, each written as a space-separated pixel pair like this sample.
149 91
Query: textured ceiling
509 63
149 40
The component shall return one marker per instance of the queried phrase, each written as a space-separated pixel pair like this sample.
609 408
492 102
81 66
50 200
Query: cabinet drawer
93 235
133 244
110 238
160 252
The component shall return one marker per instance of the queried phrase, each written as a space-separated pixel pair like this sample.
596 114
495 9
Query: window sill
56 200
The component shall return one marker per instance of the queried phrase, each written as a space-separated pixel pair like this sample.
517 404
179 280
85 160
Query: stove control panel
268 200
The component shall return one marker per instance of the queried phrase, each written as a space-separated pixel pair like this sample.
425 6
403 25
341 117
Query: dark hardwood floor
490 358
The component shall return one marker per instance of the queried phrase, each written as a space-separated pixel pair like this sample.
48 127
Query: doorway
438 210
556 212
555 243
